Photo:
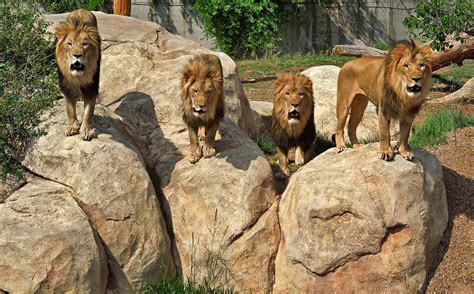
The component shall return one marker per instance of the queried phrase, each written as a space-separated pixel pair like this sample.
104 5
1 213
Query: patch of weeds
322 144
266 145
382 46
434 128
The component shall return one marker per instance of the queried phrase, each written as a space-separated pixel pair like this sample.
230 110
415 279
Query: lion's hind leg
358 106
345 96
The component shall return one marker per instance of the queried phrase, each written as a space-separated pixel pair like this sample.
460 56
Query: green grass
266 145
250 69
177 286
453 77
434 128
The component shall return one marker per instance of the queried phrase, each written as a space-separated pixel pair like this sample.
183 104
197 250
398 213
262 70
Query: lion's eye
287 93
405 66
422 66
301 95
69 44
85 44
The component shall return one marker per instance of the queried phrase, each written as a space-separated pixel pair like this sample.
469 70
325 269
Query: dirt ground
453 268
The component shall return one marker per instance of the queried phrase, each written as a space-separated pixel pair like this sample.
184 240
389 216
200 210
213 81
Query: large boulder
112 187
47 244
353 221
222 212
324 80
262 114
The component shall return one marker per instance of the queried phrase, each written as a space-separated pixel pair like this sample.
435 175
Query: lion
203 102
78 58
292 120
396 84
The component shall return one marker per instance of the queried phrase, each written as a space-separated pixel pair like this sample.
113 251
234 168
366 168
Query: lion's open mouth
77 66
414 89
293 115
198 111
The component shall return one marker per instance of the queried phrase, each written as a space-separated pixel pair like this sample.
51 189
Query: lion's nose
294 104
77 55
416 79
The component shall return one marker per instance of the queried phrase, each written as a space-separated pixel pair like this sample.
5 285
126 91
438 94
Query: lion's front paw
208 151
87 134
408 155
71 131
340 149
195 156
386 153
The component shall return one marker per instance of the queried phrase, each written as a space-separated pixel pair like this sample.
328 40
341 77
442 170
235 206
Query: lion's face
201 92
414 71
294 98
411 69
77 50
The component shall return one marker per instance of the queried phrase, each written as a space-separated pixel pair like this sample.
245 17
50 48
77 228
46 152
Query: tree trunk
122 7
466 93
457 54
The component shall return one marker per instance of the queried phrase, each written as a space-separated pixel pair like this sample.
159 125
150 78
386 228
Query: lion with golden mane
203 102
396 84
78 61
292 120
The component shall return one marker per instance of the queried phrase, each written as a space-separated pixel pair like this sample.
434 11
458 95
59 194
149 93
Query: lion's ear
281 81
61 30
426 51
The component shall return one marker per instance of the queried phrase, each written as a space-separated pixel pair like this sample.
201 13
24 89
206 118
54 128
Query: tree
437 19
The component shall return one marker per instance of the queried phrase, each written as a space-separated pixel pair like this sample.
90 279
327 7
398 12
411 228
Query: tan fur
293 92
384 81
78 36
203 102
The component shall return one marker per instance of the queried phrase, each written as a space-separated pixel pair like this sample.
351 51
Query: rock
352 221
262 114
142 56
222 210
112 187
324 80
47 244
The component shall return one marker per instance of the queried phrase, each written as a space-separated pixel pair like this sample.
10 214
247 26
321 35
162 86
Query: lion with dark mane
292 120
78 62
203 102
396 84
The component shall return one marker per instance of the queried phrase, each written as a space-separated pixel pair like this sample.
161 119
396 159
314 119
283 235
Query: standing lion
203 102
78 61
292 120
396 84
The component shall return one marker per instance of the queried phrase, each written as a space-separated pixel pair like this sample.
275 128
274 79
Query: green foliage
435 19
242 28
27 79
177 286
382 46
61 6
434 128
265 145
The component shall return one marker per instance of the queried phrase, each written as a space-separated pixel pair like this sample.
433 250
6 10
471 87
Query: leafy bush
434 128
61 6
436 19
27 79
246 28
265 145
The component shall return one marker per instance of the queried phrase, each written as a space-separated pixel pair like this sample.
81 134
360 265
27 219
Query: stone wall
312 28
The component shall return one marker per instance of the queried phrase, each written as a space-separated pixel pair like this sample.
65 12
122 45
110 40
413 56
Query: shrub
434 128
266 145
27 79
436 19
246 28
70 5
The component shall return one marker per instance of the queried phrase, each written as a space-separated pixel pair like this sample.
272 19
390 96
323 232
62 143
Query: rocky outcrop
41 227
262 114
324 80
352 221
112 187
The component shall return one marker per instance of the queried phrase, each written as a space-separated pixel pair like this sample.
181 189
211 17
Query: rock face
352 221
40 229
112 187
262 113
324 80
